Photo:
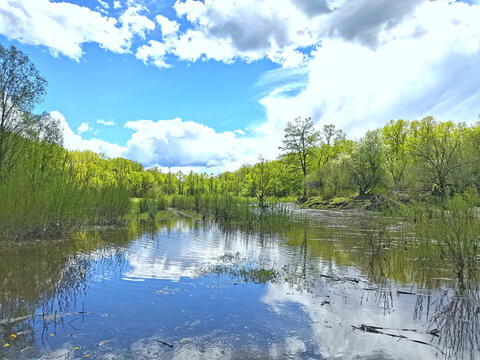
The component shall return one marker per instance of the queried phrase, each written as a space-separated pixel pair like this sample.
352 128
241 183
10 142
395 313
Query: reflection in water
457 318
211 293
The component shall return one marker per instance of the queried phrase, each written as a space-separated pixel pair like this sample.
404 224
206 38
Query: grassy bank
376 202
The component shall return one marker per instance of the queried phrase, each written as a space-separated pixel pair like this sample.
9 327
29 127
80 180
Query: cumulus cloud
226 30
167 26
366 20
425 63
74 141
64 27
180 143
279 30
171 144
313 7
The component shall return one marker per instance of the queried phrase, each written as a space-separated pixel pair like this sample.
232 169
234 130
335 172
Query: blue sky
209 85
102 85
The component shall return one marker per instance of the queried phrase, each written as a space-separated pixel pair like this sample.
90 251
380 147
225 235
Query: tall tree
396 137
438 148
261 177
330 134
368 162
299 140
21 88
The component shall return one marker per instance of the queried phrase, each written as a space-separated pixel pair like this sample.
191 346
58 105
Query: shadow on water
344 285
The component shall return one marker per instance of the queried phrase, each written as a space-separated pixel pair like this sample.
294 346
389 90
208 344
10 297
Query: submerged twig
379 330
47 317
345 279
165 343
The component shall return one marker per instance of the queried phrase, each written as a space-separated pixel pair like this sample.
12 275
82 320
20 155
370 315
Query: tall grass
451 233
45 195
153 202
240 212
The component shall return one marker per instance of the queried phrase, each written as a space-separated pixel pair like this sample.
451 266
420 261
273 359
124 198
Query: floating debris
165 343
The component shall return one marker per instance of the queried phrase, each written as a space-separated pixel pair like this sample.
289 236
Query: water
186 290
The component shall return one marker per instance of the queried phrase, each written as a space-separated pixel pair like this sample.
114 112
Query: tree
21 88
261 177
338 176
472 151
299 140
396 136
368 162
329 133
438 148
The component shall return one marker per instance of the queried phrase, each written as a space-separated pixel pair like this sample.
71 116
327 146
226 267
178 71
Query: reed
49 196
243 213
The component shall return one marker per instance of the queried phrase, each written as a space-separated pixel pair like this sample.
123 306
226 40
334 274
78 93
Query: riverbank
376 202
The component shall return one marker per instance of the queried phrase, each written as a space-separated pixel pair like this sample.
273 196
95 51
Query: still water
185 289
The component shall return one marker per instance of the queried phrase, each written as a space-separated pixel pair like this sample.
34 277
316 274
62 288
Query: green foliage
244 213
368 162
438 149
47 193
397 152
298 143
337 177
21 88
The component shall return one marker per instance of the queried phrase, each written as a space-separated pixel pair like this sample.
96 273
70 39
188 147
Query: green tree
299 140
261 170
21 88
438 148
368 162
397 151
472 151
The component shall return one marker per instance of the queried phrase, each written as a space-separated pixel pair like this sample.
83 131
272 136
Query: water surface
186 289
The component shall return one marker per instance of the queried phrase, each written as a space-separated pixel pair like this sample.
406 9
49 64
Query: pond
188 289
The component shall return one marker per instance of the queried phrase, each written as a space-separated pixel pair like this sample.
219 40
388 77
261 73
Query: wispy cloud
106 122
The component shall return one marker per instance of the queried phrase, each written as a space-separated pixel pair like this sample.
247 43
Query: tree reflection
42 283
456 315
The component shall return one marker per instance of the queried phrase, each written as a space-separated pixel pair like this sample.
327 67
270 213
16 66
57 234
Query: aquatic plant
241 212
452 234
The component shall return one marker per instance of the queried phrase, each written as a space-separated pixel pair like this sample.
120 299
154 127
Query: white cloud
65 27
225 30
84 127
180 143
74 141
186 144
117 5
155 53
425 63
168 27
106 122
279 30
173 144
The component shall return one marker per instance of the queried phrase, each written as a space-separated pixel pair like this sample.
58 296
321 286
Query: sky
209 85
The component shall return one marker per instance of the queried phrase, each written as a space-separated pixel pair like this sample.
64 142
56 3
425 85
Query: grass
450 232
243 213
55 199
